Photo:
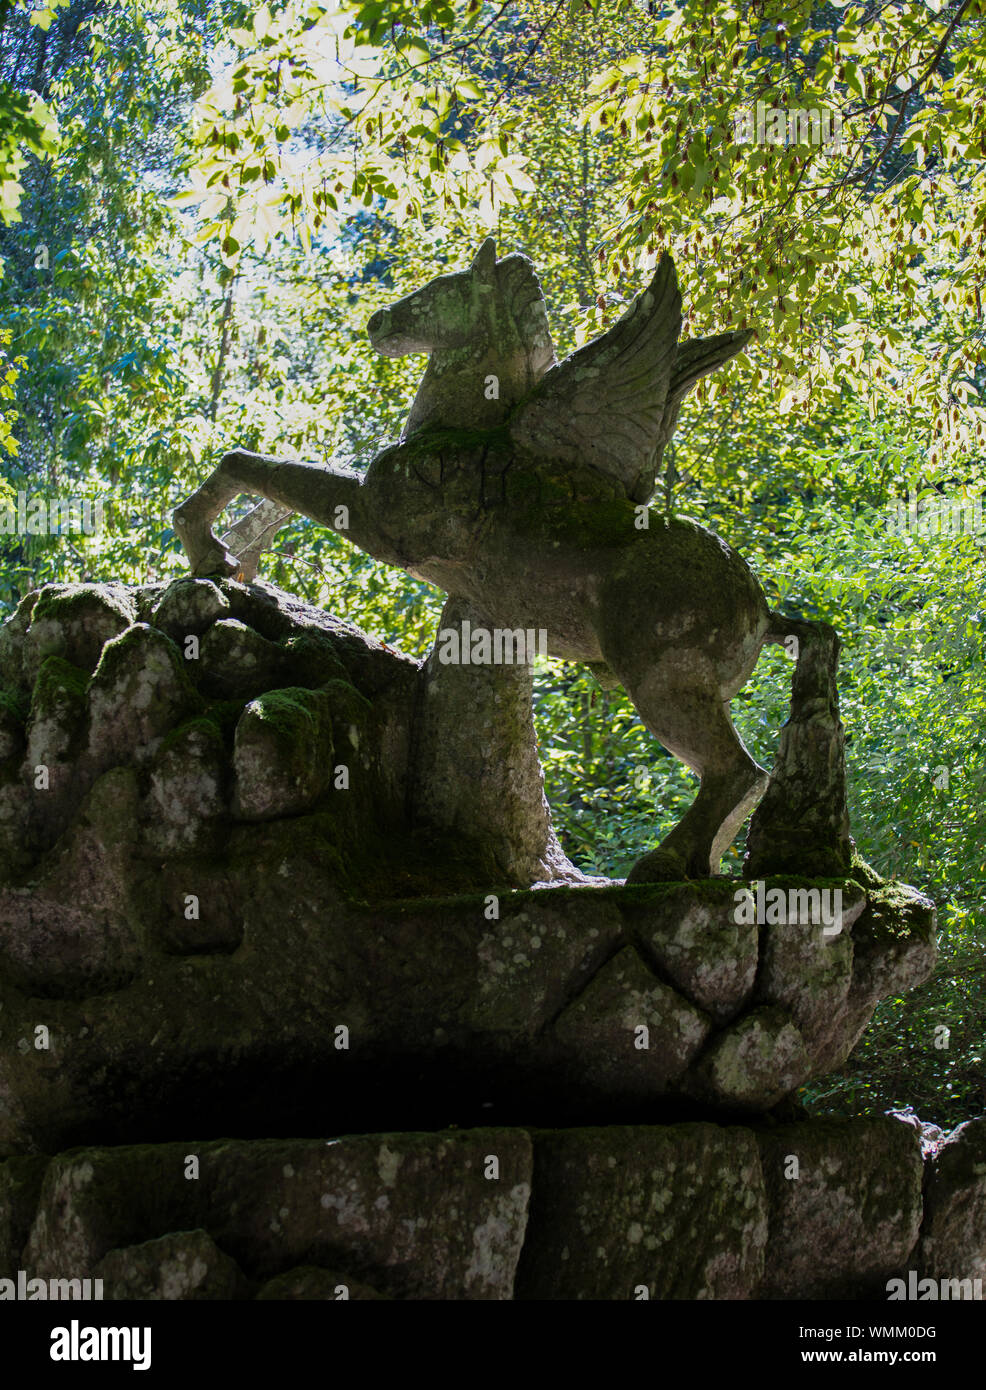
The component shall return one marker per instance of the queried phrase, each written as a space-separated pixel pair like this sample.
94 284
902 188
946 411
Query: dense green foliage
201 203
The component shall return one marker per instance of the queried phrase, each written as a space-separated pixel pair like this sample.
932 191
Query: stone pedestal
223 817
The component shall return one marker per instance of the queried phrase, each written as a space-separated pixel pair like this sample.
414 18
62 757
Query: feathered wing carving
603 406
694 359
613 404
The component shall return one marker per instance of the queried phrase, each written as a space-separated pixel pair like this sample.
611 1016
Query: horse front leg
332 496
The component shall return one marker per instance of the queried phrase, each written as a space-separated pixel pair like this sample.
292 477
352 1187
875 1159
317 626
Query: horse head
486 332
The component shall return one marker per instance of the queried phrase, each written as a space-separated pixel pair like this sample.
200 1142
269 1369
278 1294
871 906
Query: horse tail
802 825
814 645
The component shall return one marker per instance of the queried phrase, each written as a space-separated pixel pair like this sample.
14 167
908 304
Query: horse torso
453 505
541 547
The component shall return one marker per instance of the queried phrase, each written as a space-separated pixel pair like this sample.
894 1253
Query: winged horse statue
528 499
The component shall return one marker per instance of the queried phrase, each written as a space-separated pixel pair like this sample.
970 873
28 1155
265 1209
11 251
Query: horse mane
523 298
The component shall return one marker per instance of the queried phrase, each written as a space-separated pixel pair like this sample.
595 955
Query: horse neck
458 389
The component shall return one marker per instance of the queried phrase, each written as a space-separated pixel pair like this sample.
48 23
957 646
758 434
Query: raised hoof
659 866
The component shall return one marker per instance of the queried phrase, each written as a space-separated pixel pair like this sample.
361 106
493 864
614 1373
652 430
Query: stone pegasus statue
520 486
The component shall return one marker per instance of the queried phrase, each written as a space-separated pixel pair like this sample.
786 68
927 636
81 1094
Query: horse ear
484 261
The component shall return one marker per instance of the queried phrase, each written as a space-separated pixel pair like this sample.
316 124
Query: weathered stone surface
678 1211
138 692
56 721
311 1283
812 1209
754 1063
12 716
174 1268
414 1215
76 722
895 944
13 643
156 924
845 1218
695 942
533 960
201 907
953 1237
167 968
807 966
188 607
282 759
323 640
186 800
74 622
53 771
633 1036
20 1188
238 663
802 825
476 770
169 1002
69 933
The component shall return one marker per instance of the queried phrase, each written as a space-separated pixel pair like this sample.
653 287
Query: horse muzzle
388 340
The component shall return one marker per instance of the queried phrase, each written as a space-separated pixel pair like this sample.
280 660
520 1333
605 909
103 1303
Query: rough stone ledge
121 1019
812 1210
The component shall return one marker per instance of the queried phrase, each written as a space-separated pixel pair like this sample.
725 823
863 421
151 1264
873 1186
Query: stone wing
612 405
693 360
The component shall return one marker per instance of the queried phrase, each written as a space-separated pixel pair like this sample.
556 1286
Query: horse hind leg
696 726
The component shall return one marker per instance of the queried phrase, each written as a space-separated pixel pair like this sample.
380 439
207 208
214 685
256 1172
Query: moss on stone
864 873
15 705
57 678
62 602
543 511
296 714
377 867
897 912
20 1187
118 653
283 751
207 727
347 702
716 891
315 658
286 709
225 715
112 805
425 444
852 1217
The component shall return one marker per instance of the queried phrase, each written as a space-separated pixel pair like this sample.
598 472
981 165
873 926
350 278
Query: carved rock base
809 1210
